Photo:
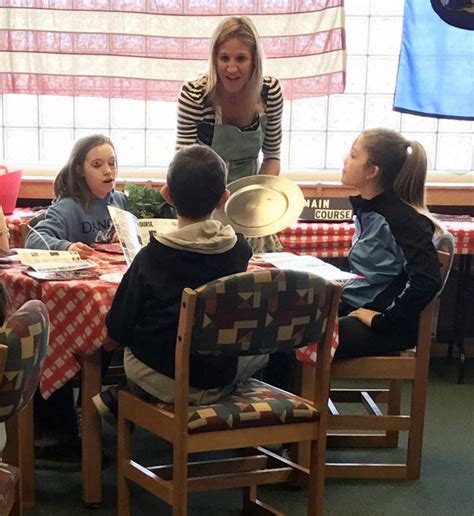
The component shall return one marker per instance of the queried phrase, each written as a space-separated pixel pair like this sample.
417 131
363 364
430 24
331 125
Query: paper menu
304 263
125 224
133 233
42 261
148 227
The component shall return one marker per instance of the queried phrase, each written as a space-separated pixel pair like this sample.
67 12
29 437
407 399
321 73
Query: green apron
241 149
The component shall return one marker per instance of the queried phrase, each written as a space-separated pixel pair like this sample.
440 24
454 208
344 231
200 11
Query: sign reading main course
335 209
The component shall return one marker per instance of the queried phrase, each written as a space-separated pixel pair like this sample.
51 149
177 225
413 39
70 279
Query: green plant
146 203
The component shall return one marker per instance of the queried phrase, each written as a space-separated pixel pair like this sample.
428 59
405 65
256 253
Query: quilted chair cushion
252 404
9 476
26 335
251 313
5 304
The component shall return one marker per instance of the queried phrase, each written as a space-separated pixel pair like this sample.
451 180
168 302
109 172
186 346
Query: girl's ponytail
409 183
403 167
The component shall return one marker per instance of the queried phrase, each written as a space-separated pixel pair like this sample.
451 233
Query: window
317 132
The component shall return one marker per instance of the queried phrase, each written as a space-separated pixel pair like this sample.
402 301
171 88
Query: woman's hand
83 249
270 167
364 315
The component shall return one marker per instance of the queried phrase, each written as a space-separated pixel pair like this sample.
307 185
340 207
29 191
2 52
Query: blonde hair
403 167
243 29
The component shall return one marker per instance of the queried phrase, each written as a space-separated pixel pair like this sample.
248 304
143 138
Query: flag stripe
146 68
156 47
141 89
177 7
162 25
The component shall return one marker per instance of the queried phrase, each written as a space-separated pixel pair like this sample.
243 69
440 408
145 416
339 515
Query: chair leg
19 451
302 449
180 479
415 433
316 477
17 508
123 457
394 408
254 507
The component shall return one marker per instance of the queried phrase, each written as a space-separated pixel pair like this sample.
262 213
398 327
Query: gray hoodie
66 222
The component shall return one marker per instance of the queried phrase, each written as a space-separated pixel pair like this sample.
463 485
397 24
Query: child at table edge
392 247
83 189
144 313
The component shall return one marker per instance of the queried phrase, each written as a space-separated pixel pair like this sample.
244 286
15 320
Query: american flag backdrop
145 49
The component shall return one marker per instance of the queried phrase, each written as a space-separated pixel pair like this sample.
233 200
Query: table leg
91 430
457 312
461 310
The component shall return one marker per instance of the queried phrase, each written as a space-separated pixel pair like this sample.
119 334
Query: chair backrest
445 262
259 312
445 243
25 337
24 228
5 304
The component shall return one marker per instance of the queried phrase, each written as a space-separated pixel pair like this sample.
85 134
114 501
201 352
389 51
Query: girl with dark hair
83 188
392 249
77 218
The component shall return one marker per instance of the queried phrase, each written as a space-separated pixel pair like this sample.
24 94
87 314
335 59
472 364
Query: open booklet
46 261
133 233
304 263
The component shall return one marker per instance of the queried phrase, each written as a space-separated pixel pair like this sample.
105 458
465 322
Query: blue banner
436 66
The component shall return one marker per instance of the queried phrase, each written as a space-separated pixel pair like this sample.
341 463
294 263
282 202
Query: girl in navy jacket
392 248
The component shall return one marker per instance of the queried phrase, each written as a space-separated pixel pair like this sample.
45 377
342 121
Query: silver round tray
261 205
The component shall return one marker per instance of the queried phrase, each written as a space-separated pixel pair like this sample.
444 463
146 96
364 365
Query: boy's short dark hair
197 178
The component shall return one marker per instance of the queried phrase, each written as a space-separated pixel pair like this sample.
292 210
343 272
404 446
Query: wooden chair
445 243
346 430
24 227
244 314
23 346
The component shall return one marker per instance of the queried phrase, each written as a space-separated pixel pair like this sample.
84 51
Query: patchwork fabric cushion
9 476
252 404
26 335
258 312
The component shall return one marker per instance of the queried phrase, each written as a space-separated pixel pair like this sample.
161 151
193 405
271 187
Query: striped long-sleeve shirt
197 117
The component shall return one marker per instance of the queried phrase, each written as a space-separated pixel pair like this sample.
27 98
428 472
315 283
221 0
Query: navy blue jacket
145 311
392 249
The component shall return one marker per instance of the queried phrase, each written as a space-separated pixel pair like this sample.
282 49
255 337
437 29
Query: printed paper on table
304 263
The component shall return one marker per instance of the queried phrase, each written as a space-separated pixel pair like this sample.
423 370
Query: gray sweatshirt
66 222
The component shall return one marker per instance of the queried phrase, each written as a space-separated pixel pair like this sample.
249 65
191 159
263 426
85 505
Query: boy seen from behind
144 314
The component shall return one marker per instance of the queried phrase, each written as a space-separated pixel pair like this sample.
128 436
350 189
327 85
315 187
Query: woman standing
233 108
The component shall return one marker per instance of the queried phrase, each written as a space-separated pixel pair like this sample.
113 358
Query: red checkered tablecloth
308 354
462 230
77 310
324 240
333 240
